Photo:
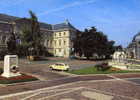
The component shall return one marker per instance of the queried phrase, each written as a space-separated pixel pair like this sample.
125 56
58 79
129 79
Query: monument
11 68
119 60
119 56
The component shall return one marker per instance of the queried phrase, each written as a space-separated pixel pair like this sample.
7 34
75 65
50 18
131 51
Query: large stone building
133 50
58 39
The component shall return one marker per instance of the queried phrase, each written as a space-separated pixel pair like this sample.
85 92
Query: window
59 42
48 42
64 42
55 42
59 50
3 38
64 52
59 34
64 33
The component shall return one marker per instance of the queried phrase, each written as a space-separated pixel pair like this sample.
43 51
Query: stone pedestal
11 68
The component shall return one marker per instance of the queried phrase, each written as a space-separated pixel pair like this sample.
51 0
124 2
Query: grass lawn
93 70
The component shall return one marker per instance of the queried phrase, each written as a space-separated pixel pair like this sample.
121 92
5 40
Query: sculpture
11 42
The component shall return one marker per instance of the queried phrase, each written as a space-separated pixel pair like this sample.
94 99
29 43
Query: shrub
115 69
103 67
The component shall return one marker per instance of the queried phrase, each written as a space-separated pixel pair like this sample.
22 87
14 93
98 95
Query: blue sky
119 19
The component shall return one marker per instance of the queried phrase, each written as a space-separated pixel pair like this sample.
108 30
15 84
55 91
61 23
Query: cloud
77 3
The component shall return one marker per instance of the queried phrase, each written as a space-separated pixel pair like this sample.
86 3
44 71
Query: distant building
5 30
133 50
58 39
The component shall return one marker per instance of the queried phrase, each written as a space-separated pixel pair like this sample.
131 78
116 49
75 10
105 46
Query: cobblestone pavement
89 87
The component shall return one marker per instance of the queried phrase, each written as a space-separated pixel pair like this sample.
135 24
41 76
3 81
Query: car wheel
51 68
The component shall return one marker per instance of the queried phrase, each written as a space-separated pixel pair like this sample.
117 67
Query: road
41 70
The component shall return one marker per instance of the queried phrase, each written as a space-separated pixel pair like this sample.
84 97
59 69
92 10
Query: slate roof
7 18
22 21
26 21
46 26
65 25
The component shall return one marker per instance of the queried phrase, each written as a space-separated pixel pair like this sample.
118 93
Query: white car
60 66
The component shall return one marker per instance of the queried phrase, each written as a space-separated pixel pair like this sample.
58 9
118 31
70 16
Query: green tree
92 42
110 48
78 43
35 33
31 36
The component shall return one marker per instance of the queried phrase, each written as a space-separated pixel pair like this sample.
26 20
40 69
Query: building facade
133 50
58 39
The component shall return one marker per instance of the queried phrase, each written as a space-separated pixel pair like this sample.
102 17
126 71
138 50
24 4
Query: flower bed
17 79
115 69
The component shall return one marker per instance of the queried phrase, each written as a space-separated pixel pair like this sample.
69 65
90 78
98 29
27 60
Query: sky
118 19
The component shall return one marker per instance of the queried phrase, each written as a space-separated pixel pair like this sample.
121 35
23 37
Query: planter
30 58
33 58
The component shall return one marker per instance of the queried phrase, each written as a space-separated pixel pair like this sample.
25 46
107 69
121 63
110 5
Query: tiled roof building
58 39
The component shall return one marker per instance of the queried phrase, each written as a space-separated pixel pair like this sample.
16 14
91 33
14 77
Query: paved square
110 89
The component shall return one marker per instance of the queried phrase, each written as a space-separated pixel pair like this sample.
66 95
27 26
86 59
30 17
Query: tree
92 42
35 32
31 37
110 48
78 43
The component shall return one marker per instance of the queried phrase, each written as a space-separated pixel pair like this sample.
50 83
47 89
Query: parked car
60 66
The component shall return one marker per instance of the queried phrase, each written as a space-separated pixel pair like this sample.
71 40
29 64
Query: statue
11 43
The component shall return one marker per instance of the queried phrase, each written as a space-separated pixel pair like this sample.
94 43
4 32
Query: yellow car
60 66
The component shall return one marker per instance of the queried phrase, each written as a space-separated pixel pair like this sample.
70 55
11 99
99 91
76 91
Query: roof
65 25
136 37
46 26
21 21
7 18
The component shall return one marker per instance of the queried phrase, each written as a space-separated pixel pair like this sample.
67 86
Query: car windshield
59 64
